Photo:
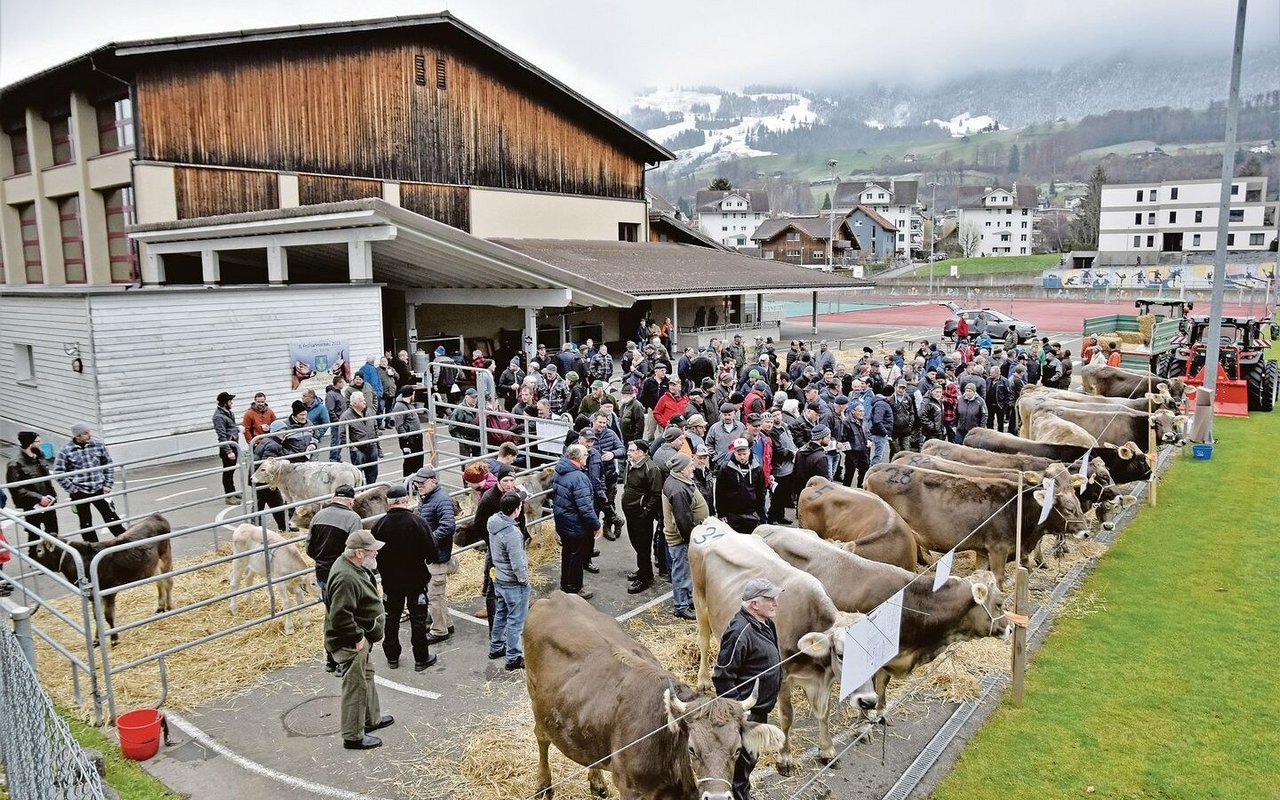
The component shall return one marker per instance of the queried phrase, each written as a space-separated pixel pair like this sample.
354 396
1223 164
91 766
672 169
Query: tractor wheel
1263 380
1175 368
1162 365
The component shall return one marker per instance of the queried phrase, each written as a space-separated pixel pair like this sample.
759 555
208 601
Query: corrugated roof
654 152
664 269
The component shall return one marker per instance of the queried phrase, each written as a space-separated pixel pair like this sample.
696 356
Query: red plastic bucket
140 733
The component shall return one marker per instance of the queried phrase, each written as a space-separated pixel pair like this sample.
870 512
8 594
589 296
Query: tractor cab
1165 309
1246 381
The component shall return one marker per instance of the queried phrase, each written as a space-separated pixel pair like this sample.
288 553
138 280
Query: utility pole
1224 212
933 233
831 234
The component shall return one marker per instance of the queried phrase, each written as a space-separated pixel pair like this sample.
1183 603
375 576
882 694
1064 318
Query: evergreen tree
826 202
1084 225
721 185
1250 168
1015 162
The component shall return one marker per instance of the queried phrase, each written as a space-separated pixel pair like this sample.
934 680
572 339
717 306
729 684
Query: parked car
997 323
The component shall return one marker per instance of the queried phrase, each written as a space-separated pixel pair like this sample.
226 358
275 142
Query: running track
1057 316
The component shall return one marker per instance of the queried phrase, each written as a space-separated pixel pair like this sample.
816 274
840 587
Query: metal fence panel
41 759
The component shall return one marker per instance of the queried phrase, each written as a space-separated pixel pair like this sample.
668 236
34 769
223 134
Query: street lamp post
831 233
933 234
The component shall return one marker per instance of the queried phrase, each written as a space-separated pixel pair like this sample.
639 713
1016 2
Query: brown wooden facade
795 245
398 106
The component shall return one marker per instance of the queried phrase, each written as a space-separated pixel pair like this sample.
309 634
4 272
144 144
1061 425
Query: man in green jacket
352 624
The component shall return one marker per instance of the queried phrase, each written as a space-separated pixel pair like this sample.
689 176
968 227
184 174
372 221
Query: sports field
1163 683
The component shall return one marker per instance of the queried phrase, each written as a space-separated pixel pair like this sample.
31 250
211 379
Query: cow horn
676 708
750 702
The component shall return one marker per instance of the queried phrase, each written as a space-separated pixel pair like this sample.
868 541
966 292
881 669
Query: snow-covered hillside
967 123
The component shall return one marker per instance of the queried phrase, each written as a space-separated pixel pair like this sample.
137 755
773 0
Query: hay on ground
466 584
197 675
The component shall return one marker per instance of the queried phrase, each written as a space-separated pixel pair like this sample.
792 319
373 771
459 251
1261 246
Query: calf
307 480
118 568
286 559
370 504
1106 381
961 609
605 702
537 486
810 628
842 514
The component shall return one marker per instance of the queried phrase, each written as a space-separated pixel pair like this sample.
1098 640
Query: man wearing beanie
408 548
228 433
683 509
34 499
90 488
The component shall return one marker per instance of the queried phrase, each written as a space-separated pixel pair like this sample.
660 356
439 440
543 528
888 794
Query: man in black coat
740 490
408 548
812 458
748 661
35 499
857 457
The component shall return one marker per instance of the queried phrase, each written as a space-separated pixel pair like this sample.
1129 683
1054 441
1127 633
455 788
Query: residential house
1139 221
730 217
804 240
896 201
997 220
877 237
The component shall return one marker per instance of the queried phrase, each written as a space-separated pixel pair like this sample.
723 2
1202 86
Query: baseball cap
702 450
755 419
363 540
440 350
678 462
842 399
628 389
696 419
741 444
588 433
670 434
426 473
470 393
760 587
597 384
344 490
571 376
406 391
277 426
397 493
727 408
224 397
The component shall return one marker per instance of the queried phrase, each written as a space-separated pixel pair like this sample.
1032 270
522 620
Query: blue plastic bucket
1202 452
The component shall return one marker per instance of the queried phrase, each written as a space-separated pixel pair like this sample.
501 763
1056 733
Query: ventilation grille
441 81
420 70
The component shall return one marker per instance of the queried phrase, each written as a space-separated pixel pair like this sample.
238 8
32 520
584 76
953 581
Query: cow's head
1110 505
1066 505
826 648
268 473
986 615
1161 399
1177 389
1168 427
713 732
302 517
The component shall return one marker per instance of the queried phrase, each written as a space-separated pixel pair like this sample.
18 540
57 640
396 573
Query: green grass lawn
1171 689
124 775
991 264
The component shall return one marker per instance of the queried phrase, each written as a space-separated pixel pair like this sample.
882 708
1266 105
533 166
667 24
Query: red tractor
1248 382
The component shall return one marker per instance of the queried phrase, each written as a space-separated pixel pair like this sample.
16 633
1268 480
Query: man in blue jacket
881 426
577 524
436 509
369 370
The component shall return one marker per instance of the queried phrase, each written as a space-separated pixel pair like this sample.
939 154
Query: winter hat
79 429
25 438
820 431
298 407
678 462
670 434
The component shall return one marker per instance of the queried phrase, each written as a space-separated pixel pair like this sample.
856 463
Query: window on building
1235 189
793 254
72 240
1255 240
31 243
1022 251
1173 193
818 254
987 223
1151 195
18 150
1137 241
902 237
1231 240
880 196
793 236
60 137
1151 241
724 228
1024 223
24 364
1235 215
768 255
1199 216
442 77
1139 195
1195 240
1173 217
1024 237
1137 218
1151 218
115 125
628 231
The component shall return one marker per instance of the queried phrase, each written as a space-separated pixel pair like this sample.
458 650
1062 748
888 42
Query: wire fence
42 761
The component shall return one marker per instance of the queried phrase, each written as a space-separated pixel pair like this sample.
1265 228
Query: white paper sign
553 431
870 644
1084 470
943 569
1048 500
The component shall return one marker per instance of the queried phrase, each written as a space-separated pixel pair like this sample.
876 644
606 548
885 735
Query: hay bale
1146 325
1133 338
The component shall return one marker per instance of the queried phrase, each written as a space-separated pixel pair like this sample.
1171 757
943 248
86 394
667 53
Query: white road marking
178 494
221 515
638 611
455 613
294 782
400 687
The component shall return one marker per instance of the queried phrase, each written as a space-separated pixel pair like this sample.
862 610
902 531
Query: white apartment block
730 217
997 220
1139 221
896 201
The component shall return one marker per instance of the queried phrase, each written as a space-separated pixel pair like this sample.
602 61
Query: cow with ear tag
606 703
810 629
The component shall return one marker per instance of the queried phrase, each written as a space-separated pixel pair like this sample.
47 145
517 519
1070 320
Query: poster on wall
313 363
1154 278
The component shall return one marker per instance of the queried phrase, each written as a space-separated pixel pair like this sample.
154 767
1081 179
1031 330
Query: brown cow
925 461
975 514
810 628
121 567
842 514
605 702
1112 427
1107 381
1126 462
1029 404
961 609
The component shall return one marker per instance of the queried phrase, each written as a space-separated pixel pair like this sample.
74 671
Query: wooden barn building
176 213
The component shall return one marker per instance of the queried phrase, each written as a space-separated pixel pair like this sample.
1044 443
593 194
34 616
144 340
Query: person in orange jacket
257 418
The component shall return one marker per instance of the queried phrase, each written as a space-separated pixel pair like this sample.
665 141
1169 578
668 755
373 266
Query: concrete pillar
675 327
360 262
529 341
814 318
564 331
151 265
210 267
277 265
411 326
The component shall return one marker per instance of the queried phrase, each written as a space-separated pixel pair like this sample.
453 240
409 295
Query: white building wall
497 213
1136 227
57 397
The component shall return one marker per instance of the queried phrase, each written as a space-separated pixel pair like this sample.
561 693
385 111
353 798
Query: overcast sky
608 49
